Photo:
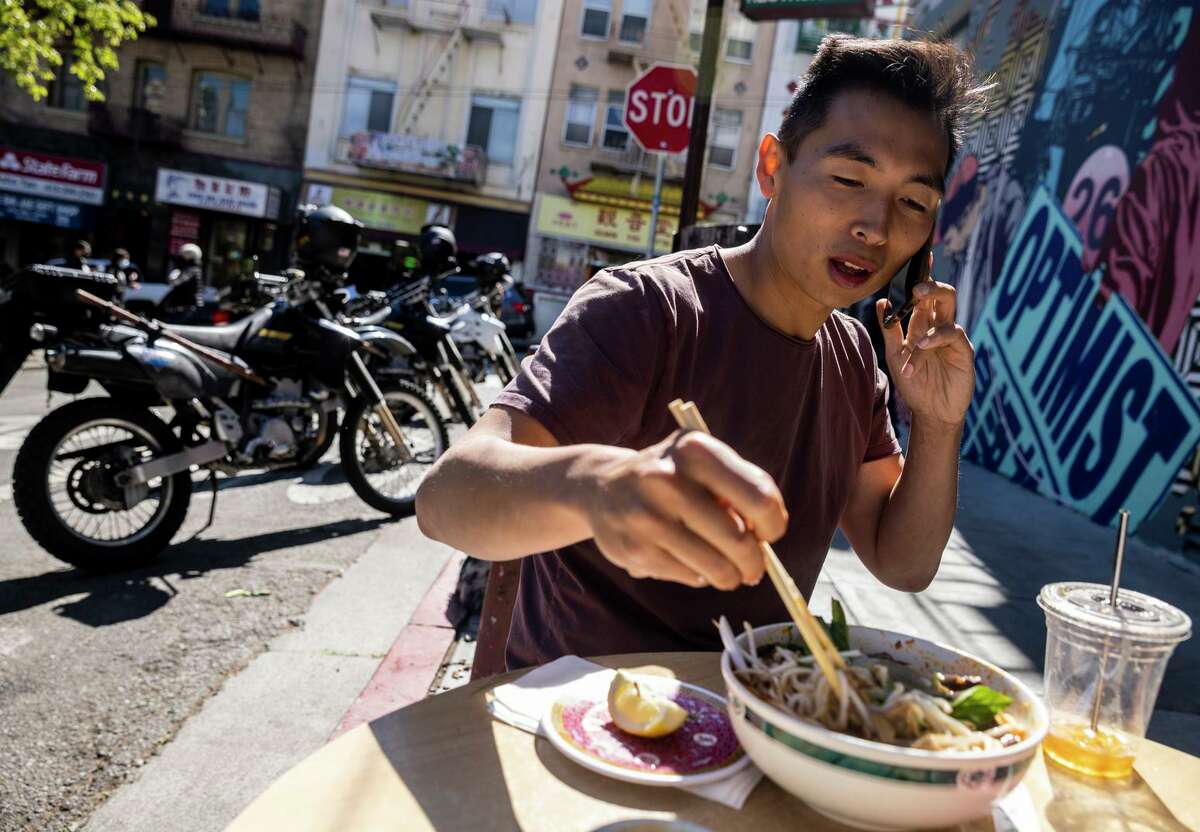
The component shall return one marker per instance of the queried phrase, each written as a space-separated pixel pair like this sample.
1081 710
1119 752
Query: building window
739 50
151 86
726 129
581 115
696 15
65 92
493 126
616 135
635 19
596 14
239 9
368 106
739 42
513 11
220 103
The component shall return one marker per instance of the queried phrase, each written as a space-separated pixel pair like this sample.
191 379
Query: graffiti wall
1071 227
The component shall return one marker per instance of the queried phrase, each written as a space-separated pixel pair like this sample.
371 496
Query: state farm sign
43 174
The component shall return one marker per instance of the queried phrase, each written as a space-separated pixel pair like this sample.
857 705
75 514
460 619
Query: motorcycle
104 483
437 364
475 319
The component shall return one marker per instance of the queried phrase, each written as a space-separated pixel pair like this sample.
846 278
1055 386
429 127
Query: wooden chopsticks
687 415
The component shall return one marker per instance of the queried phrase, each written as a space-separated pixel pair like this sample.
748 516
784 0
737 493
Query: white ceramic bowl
873 785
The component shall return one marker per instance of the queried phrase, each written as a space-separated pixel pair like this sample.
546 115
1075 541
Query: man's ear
772 165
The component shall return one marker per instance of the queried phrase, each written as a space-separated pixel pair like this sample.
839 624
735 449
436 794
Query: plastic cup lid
1134 616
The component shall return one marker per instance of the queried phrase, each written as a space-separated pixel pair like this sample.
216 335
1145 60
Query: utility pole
710 49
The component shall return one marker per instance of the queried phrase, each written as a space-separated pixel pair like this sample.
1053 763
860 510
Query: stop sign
658 108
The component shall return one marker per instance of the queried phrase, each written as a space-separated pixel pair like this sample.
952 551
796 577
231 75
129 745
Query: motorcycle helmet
437 247
327 237
491 271
190 253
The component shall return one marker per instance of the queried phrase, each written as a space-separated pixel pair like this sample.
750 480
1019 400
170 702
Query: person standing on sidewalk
631 530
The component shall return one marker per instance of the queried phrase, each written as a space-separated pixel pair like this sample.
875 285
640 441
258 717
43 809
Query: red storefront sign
58 177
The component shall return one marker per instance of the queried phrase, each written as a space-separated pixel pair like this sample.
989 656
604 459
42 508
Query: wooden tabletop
444 763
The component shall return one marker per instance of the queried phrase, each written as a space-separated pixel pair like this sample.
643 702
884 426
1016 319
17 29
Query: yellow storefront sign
621 228
386 212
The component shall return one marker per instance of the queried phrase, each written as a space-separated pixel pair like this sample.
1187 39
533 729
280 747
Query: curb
411 666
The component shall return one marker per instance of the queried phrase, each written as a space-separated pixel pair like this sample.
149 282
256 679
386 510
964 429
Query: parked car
147 295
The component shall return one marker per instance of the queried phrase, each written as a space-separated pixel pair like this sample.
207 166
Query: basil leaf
979 706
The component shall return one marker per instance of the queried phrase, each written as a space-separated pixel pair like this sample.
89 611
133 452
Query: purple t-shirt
633 339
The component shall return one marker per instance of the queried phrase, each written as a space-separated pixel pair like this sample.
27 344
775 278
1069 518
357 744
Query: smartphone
918 271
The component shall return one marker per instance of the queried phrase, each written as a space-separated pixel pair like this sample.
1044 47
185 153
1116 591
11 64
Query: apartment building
200 139
432 110
595 184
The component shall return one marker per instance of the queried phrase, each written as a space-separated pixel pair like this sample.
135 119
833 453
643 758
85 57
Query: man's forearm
919 515
499 500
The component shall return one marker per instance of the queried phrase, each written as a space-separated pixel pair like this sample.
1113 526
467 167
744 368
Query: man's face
858 199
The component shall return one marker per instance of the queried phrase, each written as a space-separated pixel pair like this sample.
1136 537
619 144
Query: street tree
39 36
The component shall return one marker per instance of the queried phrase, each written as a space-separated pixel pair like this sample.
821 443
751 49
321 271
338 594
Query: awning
636 194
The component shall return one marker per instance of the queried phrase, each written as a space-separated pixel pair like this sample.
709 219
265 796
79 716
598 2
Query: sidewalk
348 665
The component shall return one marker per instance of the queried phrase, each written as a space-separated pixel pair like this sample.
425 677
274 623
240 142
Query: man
80 252
121 267
187 281
643 531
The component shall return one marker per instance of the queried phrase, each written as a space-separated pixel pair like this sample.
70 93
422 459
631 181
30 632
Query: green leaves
35 34
979 705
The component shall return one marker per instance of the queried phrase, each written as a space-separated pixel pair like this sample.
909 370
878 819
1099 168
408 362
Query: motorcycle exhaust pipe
96 363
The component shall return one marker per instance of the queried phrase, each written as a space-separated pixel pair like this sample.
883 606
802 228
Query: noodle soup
868 782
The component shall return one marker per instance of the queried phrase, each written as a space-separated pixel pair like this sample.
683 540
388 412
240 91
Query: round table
444 763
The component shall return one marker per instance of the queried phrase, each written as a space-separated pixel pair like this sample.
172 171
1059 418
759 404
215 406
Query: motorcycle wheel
381 481
65 492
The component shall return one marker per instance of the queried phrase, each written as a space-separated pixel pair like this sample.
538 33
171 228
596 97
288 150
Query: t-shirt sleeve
592 373
881 441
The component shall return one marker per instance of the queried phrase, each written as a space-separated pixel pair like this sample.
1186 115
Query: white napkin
1015 812
522 703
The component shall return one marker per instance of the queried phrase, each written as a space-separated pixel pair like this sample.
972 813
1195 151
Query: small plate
704 748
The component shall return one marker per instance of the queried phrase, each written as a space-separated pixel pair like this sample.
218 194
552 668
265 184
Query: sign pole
654 206
709 49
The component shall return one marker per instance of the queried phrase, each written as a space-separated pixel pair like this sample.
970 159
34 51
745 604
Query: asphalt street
99 673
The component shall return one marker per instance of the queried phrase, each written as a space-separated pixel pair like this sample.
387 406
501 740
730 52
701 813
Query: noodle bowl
835 754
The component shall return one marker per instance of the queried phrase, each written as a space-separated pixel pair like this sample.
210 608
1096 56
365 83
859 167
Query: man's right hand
675 512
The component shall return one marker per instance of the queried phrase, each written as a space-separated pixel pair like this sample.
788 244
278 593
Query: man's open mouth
847 273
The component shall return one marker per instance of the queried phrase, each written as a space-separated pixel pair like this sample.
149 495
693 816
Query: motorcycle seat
225 338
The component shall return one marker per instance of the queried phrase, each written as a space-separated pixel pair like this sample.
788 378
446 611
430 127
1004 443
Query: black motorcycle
437 365
104 483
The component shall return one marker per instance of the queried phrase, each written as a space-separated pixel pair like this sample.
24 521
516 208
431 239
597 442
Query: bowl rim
821 735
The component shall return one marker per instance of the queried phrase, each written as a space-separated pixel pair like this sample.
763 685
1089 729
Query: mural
1071 227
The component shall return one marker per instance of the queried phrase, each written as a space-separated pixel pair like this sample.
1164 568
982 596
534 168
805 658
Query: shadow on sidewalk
115 598
1025 541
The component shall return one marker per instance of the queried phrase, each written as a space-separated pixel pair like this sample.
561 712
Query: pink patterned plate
704 748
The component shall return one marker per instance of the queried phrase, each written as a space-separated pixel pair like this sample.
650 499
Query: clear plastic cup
1104 665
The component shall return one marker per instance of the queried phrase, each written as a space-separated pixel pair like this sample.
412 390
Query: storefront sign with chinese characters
216 193
619 228
382 211
46 175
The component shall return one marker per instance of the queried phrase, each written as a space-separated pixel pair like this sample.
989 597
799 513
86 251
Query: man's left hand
933 363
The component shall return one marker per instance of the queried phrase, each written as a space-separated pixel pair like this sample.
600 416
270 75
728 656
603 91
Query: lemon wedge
640 711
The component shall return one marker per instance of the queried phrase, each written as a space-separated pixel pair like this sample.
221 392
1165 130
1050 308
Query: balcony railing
134 124
399 152
635 160
188 20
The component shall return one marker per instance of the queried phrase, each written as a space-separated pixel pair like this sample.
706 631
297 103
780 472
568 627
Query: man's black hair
932 77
